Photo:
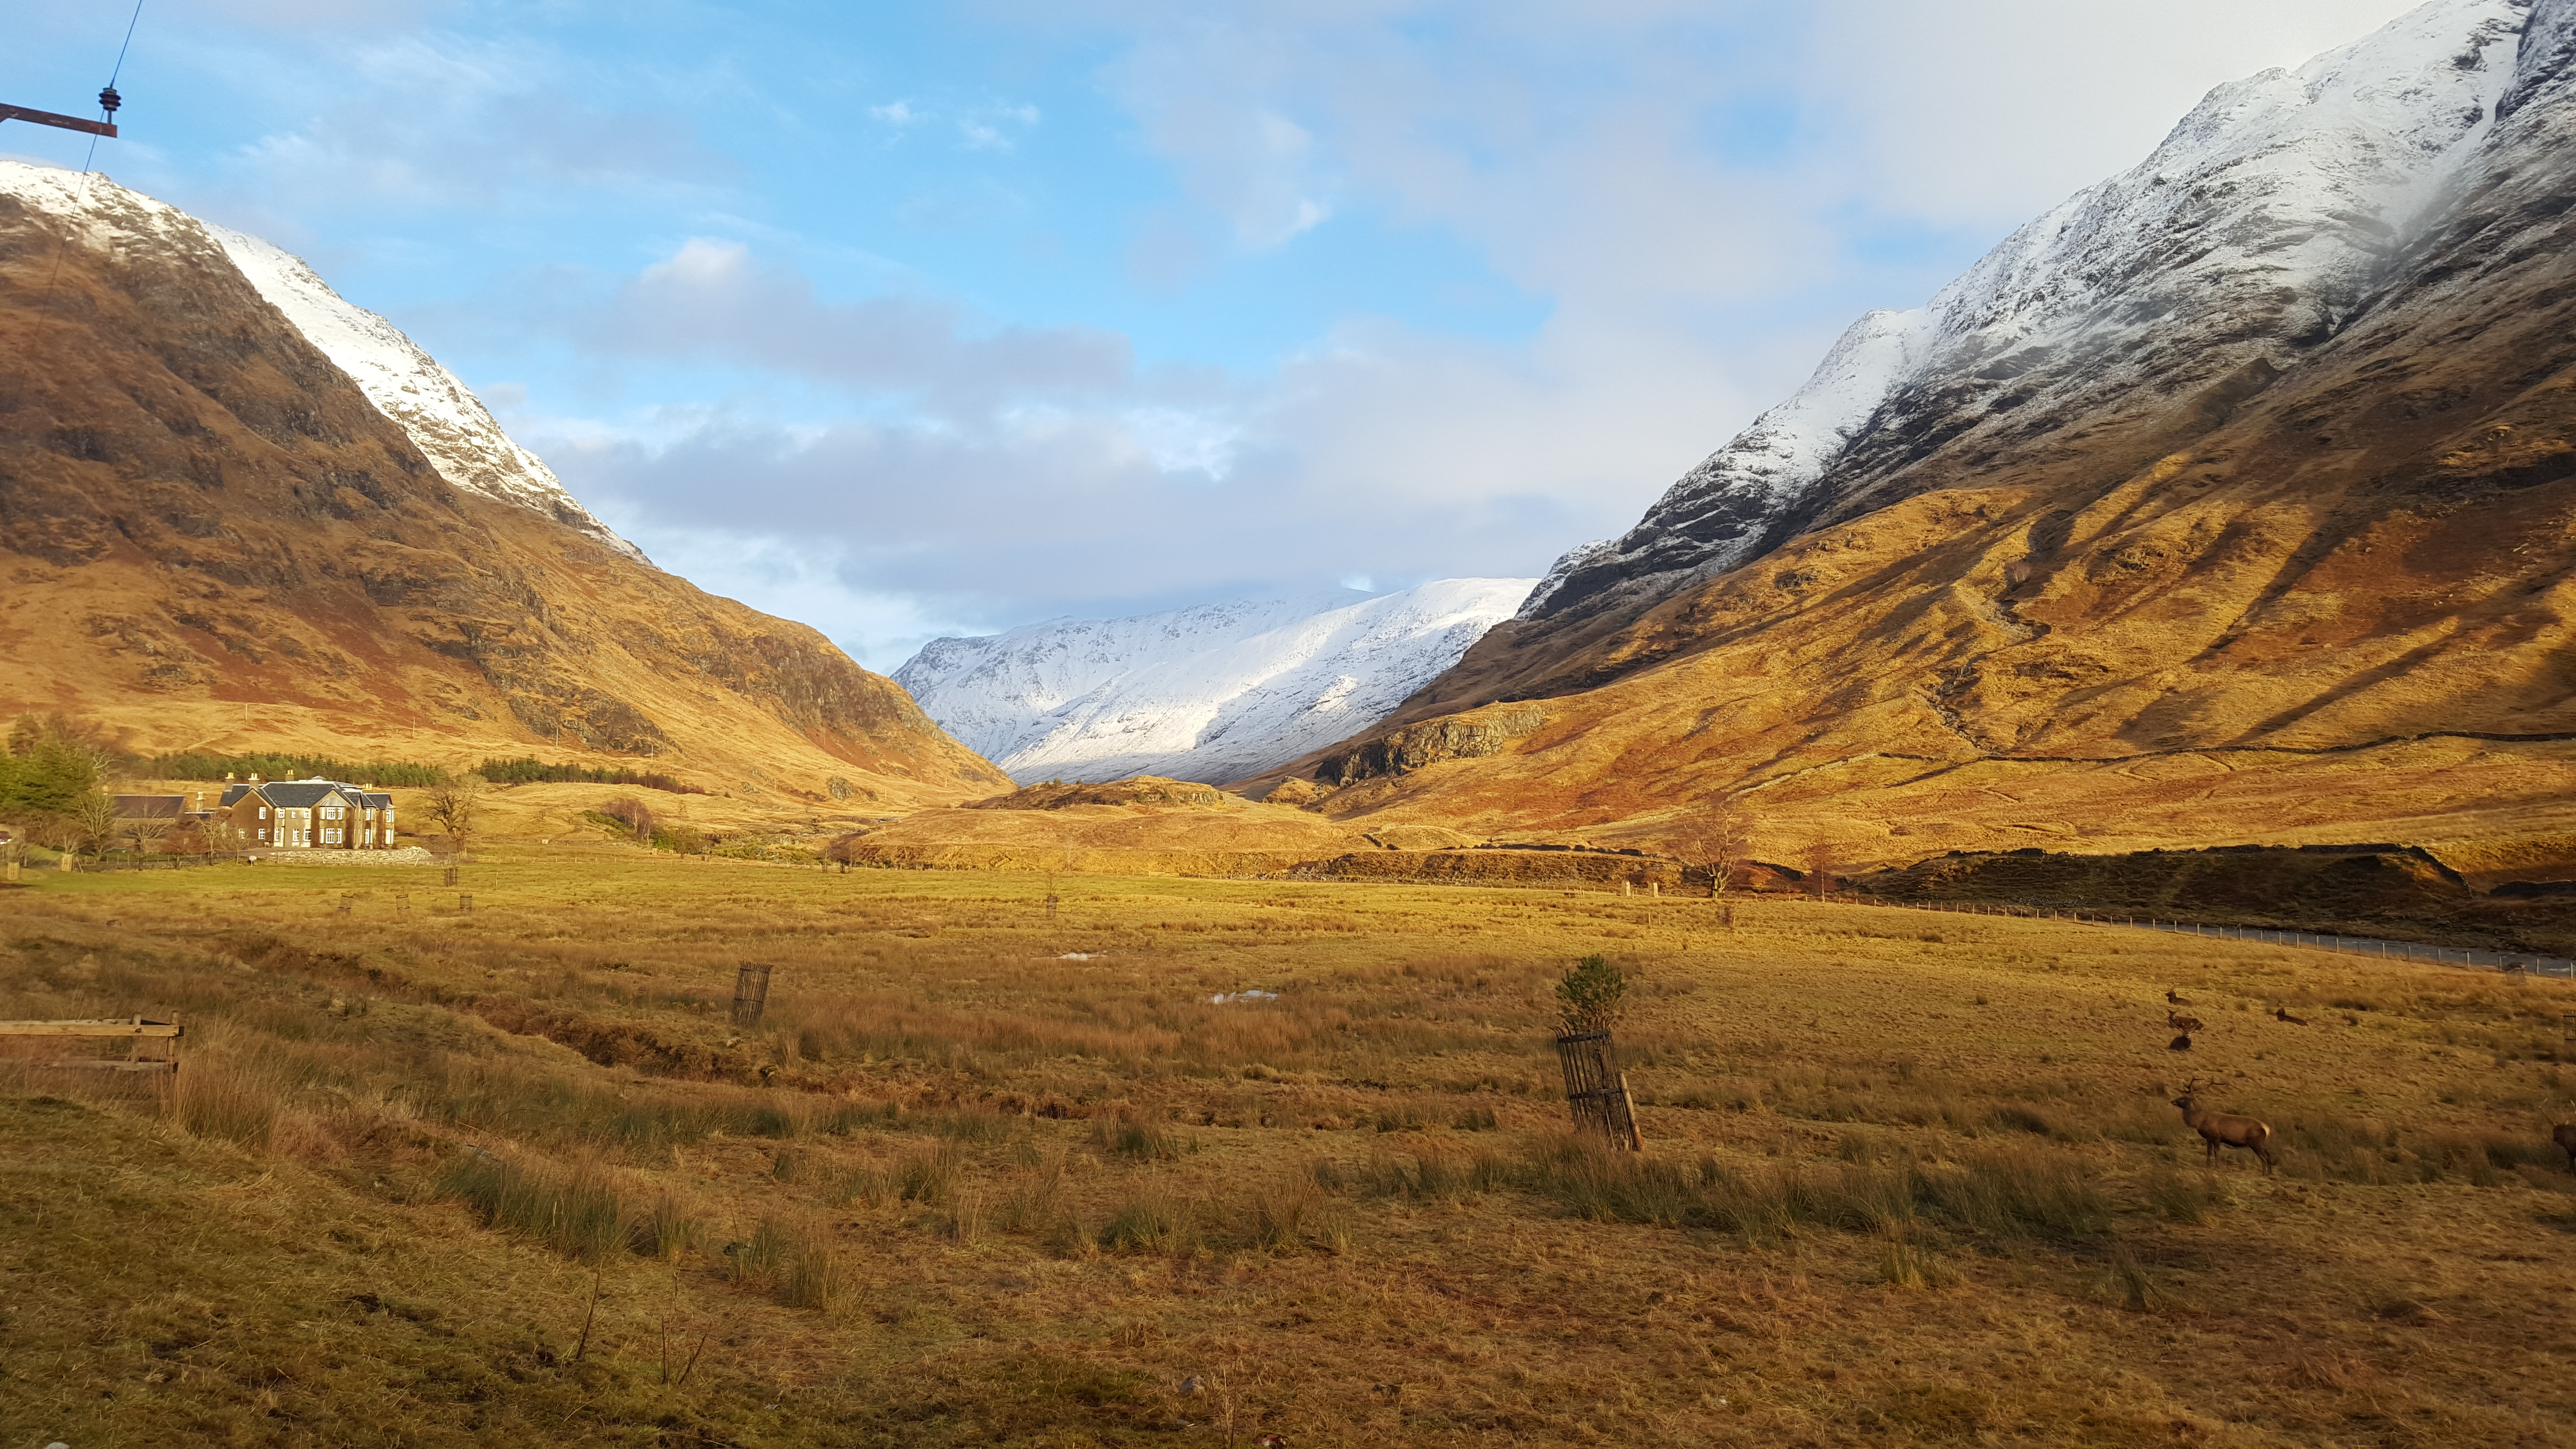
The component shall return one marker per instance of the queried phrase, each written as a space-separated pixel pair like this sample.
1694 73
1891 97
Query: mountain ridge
2285 482
1209 693
216 540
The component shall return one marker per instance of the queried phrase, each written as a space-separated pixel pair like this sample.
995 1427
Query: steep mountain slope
212 538
2251 457
1211 693
444 418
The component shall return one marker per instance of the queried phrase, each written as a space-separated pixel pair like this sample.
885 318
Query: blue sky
918 319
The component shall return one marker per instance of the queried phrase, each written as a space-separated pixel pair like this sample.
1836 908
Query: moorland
1193 1161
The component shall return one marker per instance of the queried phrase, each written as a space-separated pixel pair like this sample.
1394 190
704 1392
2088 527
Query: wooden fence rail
138 1028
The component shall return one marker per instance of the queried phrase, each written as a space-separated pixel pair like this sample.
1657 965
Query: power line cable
108 102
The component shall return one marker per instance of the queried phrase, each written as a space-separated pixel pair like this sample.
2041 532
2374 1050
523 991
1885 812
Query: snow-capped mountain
1211 693
443 416
2251 235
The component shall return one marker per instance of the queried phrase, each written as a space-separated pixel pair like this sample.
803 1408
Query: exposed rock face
1457 737
2250 459
212 538
1136 790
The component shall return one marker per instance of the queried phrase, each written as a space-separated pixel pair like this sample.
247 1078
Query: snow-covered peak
1212 693
446 421
2253 232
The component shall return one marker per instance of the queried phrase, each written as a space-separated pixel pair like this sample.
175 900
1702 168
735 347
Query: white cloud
989 475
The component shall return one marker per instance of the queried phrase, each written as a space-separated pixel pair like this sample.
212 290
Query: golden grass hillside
213 541
987 1177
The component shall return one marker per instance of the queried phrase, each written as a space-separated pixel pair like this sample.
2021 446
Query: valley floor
990 1174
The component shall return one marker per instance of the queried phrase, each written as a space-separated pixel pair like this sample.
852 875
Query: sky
911 320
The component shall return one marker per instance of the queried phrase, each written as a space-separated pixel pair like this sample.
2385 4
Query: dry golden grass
980 1178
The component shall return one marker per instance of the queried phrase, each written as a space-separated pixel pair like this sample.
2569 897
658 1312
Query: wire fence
150 862
2465 957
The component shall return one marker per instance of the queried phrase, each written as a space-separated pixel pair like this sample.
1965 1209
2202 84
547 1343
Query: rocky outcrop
1457 737
1136 790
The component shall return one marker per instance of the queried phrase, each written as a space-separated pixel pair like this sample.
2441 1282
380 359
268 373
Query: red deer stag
2182 1023
2219 1129
2564 1134
2175 1000
2282 1013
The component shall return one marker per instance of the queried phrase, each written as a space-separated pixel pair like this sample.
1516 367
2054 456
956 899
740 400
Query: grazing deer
2219 1129
2564 1134
2182 1023
2176 1000
2282 1013
2181 1043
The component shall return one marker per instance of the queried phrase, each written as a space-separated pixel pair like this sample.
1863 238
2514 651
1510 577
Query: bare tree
94 819
1718 838
453 804
147 835
1820 871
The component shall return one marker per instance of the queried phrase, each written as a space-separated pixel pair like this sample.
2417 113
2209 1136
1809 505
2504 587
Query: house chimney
254 777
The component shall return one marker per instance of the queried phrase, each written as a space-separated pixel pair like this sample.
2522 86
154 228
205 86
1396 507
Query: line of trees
194 765
529 770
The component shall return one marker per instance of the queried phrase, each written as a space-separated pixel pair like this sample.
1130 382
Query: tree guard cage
750 995
1597 1090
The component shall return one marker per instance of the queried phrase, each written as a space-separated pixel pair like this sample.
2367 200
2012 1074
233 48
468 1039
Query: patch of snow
1211 693
446 421
443 417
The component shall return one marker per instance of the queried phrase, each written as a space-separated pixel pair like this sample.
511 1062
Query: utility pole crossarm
49 118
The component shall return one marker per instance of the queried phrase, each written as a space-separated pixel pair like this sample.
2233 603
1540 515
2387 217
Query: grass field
983 1177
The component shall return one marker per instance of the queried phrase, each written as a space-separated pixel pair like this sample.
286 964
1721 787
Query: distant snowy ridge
2256 229
1212 693
446 421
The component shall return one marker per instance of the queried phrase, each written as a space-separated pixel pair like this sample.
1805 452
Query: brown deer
2181 1043
2282 1013
2564 1134
2171 998
2219 1129
2182 1023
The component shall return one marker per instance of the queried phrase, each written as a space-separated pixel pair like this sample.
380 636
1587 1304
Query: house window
263 812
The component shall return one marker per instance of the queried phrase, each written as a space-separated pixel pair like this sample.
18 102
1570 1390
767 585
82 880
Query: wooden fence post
1597 1090
750 995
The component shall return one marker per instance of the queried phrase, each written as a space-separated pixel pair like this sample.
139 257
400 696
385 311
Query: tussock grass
1878 1168
231 1099
1154 1217
576 1210
1999 1195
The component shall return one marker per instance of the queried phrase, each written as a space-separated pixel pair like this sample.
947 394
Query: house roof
376 800
304 794
149 807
